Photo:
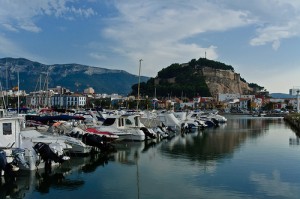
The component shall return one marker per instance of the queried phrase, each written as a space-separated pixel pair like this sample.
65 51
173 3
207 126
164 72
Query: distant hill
202 77
282 95
75 77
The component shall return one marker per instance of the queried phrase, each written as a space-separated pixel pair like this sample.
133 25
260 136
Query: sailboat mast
6 75
18 93
3 98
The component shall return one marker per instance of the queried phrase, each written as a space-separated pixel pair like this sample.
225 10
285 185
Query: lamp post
138 100
298 101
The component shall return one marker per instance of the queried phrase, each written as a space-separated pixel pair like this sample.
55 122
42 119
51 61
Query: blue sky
259 38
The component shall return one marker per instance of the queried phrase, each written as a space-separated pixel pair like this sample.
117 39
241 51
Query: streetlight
298 100
137 104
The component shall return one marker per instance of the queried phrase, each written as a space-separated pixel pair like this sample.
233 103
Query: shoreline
294 121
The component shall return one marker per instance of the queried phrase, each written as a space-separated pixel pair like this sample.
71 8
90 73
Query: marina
149 99
246 157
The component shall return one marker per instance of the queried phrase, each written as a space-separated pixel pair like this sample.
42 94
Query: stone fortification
224 81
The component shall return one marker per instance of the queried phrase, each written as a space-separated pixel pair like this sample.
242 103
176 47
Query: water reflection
216 143
56 180
274 186
128 151
25 182
245 158
10 188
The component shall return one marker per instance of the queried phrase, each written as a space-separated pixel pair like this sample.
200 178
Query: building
68 101
295 90
228 96
89 90
60 90
39 99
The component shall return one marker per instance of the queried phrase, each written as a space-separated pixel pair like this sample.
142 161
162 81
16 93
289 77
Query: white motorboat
134 121
20 150
119 125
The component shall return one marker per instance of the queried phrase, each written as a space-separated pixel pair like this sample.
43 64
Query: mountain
34 75
282 95
202 77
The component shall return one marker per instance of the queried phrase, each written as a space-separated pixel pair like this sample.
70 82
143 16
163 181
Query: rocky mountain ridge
75 77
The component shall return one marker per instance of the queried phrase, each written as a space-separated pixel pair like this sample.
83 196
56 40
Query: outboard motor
47 153
92 140
215 121
148 133
4 166
97 141
19 157
161 132
185 128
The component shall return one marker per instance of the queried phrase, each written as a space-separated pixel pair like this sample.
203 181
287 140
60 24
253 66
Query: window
109 121
128 122
136 121
7 130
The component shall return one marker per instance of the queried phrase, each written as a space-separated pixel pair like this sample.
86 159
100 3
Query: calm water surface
245 158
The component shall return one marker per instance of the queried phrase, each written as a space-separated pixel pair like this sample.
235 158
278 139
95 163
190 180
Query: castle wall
224 81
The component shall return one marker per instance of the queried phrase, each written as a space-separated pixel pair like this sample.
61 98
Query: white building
258 103
68 101
294 90
248 96
228 96
39 99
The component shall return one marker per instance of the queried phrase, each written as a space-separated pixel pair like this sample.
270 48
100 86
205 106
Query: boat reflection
129 151
26 182
216 143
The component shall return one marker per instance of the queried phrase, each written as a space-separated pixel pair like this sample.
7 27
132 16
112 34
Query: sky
259 38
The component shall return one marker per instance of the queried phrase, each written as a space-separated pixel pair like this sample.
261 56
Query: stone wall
224 81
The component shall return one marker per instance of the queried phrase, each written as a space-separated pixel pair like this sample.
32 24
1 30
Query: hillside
75 77
200 77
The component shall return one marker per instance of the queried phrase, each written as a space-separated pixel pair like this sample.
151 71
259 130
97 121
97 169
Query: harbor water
248 157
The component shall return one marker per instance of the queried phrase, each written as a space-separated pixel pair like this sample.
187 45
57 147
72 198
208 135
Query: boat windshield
109 121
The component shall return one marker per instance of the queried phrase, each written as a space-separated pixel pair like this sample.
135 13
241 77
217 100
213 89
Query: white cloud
157 30
83 12
274 186
21 15
273 34
10 27
98 56
28 26
275 20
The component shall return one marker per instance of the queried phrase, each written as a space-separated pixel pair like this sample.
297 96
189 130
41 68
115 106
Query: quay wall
294 121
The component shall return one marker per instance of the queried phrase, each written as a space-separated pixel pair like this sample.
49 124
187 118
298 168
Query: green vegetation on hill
178 80
254 85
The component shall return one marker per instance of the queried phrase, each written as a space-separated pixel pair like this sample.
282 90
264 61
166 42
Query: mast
18 93
137 106
40 91
6 75
47 102
3 98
